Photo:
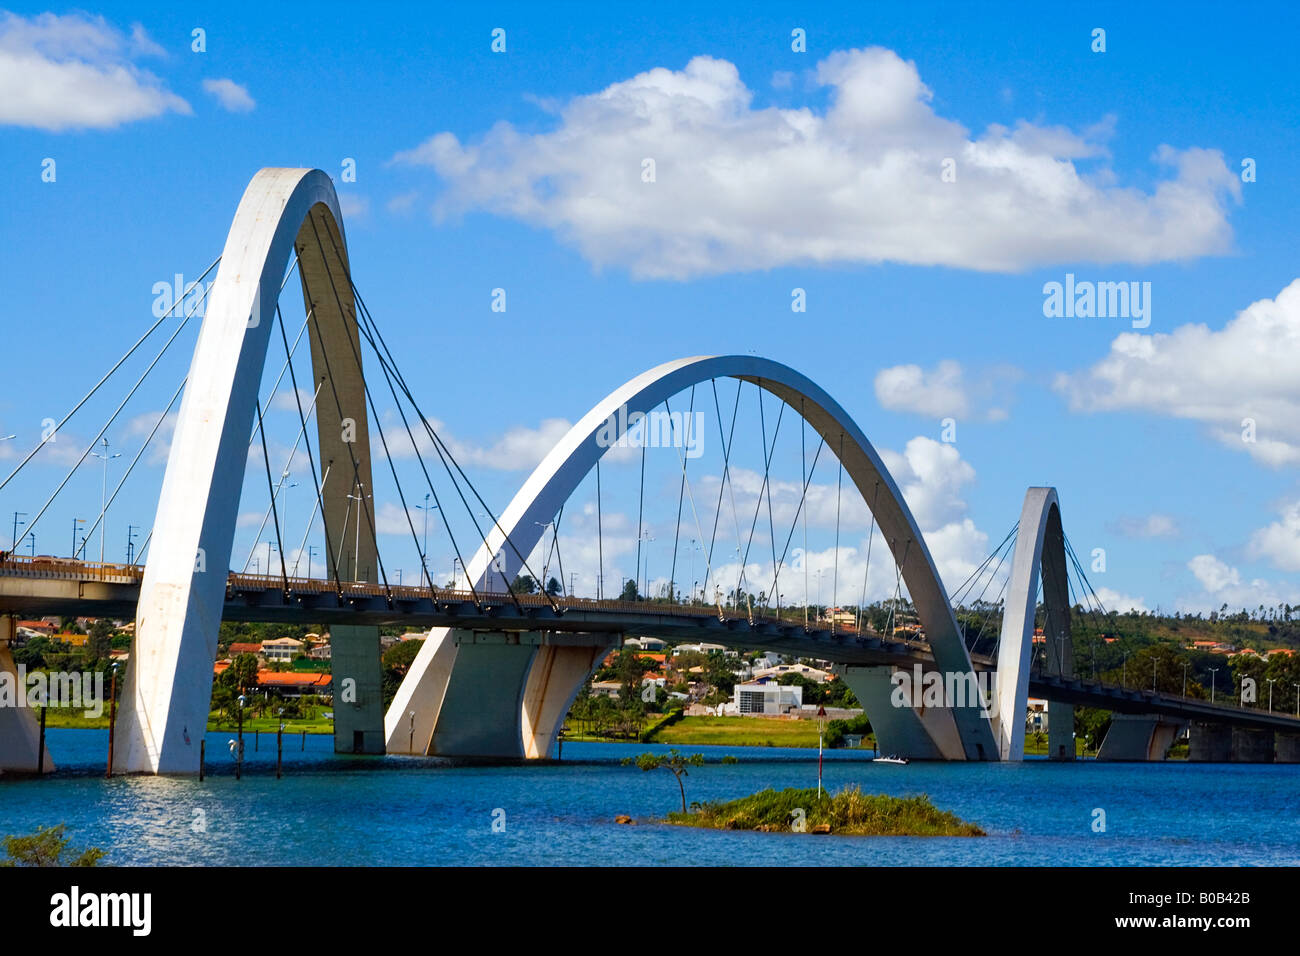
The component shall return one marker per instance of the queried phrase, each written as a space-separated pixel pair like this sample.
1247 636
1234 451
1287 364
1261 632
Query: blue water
330 810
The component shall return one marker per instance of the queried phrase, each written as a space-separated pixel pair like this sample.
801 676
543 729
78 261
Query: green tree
100 642
630 592
244 667
524 584
46 847
674 762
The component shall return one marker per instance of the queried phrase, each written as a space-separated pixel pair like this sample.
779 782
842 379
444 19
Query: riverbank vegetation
850 812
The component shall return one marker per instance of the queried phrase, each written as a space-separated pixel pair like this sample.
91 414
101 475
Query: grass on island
738 732
849 812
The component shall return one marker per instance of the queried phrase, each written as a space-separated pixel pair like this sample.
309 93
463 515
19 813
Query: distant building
244 648
646 643
293 683
281 649
320 653
766 697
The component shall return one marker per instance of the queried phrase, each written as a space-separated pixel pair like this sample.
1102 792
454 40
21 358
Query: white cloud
75 72
1279 541
944 390
1154 525
353 206
1113 600
1246 370
520 448
739 187
1223 584
232 96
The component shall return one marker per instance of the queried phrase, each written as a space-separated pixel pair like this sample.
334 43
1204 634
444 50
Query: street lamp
1271 681
103 494
130 543
426 508
17 514
75 522
360 499
1213 671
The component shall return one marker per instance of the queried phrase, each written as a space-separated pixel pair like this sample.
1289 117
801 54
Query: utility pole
130 543
103 495
17 514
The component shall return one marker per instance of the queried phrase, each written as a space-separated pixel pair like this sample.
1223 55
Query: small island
849 812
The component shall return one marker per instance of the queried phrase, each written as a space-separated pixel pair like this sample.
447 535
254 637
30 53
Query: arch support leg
557 674
918 733
20 732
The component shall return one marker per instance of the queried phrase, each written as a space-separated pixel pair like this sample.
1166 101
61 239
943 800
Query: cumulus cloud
945 390
1279 542
1154 525
1113 600
77 72
232 96
1221 584
519 448
1240 381
741 187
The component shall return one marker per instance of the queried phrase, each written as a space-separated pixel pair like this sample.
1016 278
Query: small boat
892 758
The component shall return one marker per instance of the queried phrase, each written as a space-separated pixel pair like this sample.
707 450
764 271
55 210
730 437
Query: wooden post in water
112 721
40 748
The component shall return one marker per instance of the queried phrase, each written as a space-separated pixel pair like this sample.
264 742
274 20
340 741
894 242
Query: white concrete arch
968 734
1040 547
168 689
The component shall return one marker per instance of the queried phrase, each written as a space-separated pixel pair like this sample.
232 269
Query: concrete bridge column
1060 731
1209 742
20 731
915 732
557 674
1139 737
1286 748
1250 745
357 669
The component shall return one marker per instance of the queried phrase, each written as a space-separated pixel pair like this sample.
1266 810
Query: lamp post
103 494
1213 671
130 543
75 522
112 719
17 515
426 508
1271 681
239 747
360 499
311 552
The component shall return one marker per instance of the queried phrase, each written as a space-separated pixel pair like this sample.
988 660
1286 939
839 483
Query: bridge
501 666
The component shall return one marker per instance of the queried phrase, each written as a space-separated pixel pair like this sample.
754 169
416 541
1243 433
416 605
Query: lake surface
350 811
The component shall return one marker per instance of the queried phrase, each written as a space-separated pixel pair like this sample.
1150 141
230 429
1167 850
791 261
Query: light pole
1271 681
311 551
426 508
103 495
130 543
410 746
1184 678
75 522
1213 671
360 499
17 514
546 564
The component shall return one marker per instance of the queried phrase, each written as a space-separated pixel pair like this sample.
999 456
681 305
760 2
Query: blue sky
775 170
